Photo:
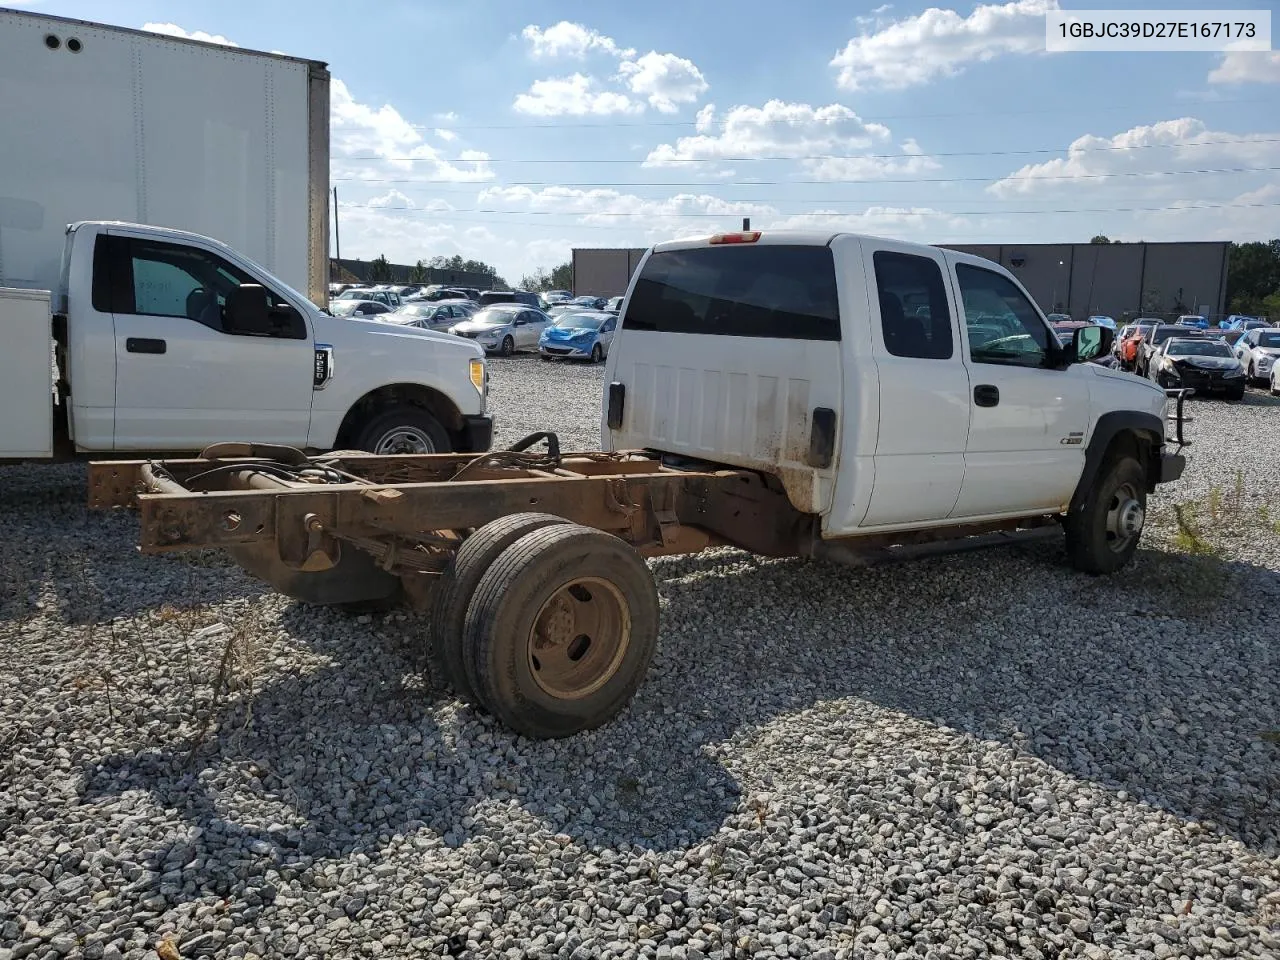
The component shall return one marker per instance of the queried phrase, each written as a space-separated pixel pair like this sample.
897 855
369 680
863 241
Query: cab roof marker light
745 236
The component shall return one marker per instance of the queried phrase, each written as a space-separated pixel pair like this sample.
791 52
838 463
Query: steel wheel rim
403 440
579 638
1125 517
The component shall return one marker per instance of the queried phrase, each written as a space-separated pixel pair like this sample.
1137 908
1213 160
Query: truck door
923 387
725 352
1027 419
181 381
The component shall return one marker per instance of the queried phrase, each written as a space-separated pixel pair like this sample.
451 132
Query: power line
864 156
610 124
443 215
833 180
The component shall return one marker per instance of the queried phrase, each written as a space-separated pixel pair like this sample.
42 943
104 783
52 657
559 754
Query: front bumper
477 434
566 350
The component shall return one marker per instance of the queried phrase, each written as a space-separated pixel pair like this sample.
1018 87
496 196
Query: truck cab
170 341
886 386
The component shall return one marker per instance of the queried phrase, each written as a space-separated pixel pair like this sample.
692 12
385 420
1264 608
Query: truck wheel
1103 535
561 631
508 347
401 430
458 584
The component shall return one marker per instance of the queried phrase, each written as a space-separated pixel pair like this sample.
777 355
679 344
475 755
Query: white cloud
940 43
448 136
576 95
660 80
566 39
794 130
173 30
1247 67
663 79
923 224
603 206
1146 152
447 117
358 130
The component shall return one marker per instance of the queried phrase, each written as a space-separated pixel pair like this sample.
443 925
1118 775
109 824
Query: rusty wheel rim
579 638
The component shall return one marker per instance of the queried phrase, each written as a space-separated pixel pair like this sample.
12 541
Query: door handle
145 345
986 395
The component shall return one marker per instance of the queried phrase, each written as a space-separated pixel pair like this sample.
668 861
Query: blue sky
514 131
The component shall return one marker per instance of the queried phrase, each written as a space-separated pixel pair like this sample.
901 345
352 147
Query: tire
1096 536
1235 396
404 429
456 587
545 356
596 354
1275 390
579 590
508 347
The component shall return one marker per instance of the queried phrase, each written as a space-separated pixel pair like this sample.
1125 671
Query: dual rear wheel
548 625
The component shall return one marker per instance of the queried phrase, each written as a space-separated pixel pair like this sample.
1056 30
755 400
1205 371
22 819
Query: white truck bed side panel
150 129
26 374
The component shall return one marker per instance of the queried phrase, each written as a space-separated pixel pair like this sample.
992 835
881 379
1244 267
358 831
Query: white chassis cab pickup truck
791 394
888 386
167 341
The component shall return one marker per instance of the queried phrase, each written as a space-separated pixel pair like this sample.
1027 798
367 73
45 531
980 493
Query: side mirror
1088 343
246 312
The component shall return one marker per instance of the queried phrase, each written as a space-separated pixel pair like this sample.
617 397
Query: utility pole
337 239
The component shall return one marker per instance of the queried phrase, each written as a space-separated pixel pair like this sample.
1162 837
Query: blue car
1193 320
1103 321
580 335
1238 321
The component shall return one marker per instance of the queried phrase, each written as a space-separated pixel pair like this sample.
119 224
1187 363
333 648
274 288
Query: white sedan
504 328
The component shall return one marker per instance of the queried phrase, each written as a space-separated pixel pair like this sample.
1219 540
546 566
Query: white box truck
122 153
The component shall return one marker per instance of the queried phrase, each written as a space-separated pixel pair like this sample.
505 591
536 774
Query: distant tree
559 278
380 270
418 274
1253 276
1100 239
538 280
562 277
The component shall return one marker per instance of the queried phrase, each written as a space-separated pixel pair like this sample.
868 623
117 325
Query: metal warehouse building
1116 279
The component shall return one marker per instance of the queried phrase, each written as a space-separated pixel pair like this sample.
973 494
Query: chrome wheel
403 440
1125 517
579 638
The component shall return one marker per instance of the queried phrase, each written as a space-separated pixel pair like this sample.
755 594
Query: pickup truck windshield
779 291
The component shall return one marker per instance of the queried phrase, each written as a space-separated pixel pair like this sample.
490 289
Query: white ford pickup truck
167 341
791 394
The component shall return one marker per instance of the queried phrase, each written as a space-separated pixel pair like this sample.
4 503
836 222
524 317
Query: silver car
504 328
430 316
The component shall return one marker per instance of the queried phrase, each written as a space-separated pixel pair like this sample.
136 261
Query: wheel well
1141 446
384 398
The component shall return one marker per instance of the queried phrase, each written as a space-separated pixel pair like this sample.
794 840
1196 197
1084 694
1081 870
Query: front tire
401 430
1103 535
561 631
597 354
508 347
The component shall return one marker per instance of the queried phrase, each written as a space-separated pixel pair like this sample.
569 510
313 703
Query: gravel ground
978 755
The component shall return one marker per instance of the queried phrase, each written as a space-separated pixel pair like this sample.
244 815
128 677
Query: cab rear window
782 292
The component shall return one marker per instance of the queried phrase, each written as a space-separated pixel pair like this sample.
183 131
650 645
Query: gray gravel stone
974 755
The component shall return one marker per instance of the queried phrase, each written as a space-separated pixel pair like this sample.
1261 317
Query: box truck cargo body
105 123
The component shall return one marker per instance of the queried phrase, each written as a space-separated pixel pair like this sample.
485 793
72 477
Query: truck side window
173 280
914 317
1002 325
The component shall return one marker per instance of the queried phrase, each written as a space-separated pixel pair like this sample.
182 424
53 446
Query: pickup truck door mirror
246 312
1089 343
